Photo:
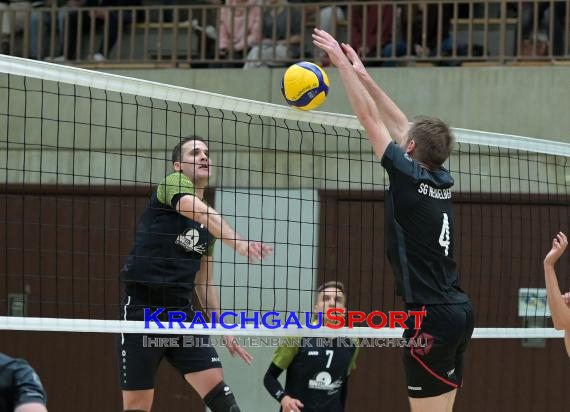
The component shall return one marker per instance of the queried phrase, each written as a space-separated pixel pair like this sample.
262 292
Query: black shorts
140 354
438 368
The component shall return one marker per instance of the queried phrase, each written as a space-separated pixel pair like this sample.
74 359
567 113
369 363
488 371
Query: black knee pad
221 399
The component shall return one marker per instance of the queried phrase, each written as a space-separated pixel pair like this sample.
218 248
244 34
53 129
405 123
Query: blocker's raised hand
354 59
328 44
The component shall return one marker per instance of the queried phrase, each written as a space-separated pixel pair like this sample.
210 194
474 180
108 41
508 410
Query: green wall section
527 101
78 136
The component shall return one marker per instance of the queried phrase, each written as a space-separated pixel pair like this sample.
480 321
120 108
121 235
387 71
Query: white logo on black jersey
323 382
189 241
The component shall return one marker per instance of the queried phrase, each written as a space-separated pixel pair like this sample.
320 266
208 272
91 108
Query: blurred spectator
239 35
13 14
425 31
328 13
364 34
70 15
40 27
203 20
538 43
274 50
327 17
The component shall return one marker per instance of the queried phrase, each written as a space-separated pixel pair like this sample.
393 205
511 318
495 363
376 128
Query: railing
277 33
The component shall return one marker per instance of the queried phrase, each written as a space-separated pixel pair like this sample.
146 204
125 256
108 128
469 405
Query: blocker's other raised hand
354 58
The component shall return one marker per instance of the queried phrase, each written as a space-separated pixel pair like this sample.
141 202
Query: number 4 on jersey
444 235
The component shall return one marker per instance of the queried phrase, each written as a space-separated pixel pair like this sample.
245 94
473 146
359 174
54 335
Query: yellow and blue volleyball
305 86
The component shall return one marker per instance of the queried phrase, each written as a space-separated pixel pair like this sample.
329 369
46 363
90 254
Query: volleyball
305 86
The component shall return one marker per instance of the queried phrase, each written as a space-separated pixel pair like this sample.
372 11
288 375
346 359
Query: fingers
236 350
323 34
258 251
319 39
566 298
560 242
323 40
320 44
294 405
242 353
266 250
254 251
562 239
350 52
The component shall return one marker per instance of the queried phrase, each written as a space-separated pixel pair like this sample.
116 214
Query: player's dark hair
331 284
177 151
434 141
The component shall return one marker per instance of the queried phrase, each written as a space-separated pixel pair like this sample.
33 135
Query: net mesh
82 151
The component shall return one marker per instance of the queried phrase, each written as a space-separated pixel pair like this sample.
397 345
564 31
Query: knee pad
221 399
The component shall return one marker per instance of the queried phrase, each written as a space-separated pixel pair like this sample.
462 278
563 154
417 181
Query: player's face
195 161
329 298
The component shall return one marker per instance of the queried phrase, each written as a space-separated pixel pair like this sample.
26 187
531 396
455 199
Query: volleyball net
82 152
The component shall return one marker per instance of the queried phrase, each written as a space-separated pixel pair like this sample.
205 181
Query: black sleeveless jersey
168 247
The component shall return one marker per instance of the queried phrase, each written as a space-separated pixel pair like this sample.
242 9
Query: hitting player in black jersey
20 387
419 230
170 258
317 377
